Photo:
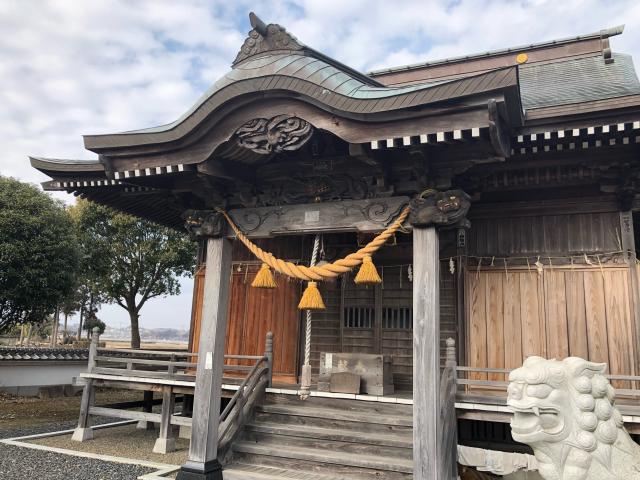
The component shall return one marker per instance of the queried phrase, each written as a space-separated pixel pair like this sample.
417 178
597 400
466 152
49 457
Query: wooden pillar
147 407
83 431
166 442
629 248
268 352
426 355
202 463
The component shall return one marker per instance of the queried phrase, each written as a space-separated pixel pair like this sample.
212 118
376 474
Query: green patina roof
303 67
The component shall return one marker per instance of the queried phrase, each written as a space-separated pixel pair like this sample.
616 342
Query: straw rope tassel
320 272
367 274
264 278
311 298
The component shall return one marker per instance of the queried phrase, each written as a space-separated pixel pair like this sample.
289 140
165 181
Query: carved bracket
204 224
441 208
278 134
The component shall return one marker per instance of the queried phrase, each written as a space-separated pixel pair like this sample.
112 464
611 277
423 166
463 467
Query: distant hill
147 334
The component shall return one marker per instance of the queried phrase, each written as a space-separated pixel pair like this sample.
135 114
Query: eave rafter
591 135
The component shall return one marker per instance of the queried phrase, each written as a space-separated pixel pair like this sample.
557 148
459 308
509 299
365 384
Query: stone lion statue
565 411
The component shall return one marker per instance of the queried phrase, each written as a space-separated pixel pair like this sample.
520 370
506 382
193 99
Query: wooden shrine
519 173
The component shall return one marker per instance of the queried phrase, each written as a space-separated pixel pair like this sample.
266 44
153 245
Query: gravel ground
125 441
19 463
20 417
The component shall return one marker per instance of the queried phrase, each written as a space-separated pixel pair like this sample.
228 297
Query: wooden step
257 472
327 445
326 420
314 460
351 420
343 404
397 440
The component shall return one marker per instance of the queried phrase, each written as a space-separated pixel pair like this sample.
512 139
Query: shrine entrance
379 319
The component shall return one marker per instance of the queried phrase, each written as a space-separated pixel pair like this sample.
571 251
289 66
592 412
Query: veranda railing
171 369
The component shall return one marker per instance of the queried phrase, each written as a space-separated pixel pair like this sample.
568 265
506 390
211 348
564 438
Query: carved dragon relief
441 208
278 134
204 223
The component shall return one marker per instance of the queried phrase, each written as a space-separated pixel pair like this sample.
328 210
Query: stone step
402 439
324 462
326 445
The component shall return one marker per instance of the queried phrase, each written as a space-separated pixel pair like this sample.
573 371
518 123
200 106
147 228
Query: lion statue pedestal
565 411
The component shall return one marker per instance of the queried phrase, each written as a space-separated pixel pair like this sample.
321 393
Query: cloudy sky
73 67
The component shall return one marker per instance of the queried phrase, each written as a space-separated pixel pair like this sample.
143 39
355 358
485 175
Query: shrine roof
273 60
291 66
577 80
602 34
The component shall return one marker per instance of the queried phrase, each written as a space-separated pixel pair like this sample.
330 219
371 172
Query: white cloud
70 67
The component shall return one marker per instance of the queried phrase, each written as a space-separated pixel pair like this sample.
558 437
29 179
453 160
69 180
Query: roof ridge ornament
264 38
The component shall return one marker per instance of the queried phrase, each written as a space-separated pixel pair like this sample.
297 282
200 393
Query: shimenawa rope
325 271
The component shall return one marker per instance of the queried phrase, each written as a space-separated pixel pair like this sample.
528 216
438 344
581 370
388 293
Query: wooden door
396 324
252 313
255 311
359 326
379 320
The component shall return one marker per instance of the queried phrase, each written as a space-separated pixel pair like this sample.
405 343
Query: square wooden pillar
203 463
426 356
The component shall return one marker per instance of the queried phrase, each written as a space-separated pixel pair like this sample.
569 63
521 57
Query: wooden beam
203 451
369 215
427 451
127 414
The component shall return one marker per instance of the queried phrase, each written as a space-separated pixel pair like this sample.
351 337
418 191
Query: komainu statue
565 411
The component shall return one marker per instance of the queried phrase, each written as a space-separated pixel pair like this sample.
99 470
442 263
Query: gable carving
263 38
277 134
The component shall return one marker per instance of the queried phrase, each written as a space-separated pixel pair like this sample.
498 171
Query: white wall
16 377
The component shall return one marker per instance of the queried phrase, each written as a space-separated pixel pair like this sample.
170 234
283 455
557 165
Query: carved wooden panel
347 216
274 135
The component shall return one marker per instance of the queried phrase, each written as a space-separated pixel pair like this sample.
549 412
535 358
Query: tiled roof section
44 354
577 81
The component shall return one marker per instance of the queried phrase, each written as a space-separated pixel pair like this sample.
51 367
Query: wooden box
375 371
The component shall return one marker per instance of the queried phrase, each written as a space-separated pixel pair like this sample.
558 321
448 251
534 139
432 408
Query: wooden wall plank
494 305
556 314
476 288
581 311
576 314
512 320
619 326
596 316
544 234
532 315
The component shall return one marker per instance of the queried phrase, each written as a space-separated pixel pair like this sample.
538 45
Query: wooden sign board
370 215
